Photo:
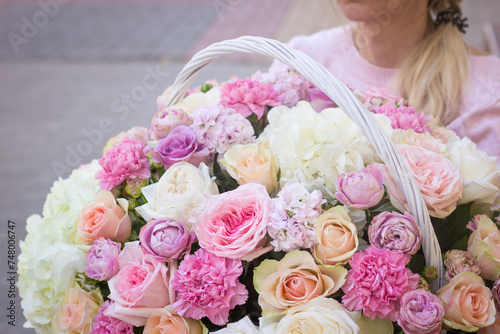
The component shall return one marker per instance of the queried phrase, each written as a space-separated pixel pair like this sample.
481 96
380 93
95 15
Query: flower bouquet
258 205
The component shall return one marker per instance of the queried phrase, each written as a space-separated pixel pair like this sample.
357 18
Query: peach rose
78 309
468 304
294 280
252 163
439 181
166 320
492 329
484 245
337 237
104 218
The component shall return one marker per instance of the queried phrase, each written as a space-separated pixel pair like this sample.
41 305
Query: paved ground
62 66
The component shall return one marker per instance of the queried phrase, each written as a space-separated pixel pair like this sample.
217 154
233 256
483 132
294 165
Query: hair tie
453 15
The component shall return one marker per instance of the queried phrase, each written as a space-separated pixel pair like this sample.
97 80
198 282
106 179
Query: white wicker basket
344 98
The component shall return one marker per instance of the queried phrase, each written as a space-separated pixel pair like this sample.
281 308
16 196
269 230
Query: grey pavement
60 79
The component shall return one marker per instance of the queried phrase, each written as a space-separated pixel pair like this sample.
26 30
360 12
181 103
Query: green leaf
224 181
417 263
452 229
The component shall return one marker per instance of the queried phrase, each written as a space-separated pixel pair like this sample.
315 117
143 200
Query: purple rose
361 189
421 312
166 239
396 232
102 259
166 120
319 100
180 145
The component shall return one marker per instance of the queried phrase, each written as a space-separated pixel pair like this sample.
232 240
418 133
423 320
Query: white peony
243 326
315 148
177 192
481 173
321 315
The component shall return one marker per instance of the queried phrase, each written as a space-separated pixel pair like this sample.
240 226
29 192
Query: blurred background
67 66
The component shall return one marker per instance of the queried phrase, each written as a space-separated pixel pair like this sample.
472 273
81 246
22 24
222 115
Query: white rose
244 326
315 149
481 172
194 101
321 315
177 193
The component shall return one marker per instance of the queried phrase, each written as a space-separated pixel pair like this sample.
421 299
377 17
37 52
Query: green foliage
223 180
451 231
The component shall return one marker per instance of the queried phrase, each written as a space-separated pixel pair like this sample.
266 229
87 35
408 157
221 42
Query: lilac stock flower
102 259
181 144
458 261
361 189
396 232
421 312
165 239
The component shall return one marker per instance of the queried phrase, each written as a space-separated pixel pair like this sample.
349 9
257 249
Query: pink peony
249 97
140 287
421 313
124 161
208 286
234 224
361 189
377 281
108 325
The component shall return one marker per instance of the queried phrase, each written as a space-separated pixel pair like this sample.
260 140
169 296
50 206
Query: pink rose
362 189
166 320
104 218
102 259
78 309
439 181
468 304
140 287
484 245
234 224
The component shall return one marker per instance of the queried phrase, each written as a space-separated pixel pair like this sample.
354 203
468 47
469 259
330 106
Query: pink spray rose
102 259
468 303
208 286
105 218
180 145
421 312
121 162
377 281
108 325
234 224
78 309
166 120
396 232
361 189
249 97
140 287
166 239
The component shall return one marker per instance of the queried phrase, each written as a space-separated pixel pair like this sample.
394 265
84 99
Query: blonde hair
435 73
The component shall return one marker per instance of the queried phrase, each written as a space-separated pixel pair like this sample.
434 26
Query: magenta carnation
208 286
124 161
403 117
249 97
108 325
376 282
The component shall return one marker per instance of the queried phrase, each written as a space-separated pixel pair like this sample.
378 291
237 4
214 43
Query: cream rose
468 304
243 326
252 163
296 279
78 309
166 320
484 245
104 218
337 237
320 316
177 192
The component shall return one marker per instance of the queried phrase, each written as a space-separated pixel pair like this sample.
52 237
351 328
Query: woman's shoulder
484 89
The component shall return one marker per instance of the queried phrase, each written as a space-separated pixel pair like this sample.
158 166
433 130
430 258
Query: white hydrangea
315 148
49 258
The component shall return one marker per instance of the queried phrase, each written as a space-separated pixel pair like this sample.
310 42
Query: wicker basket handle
346 100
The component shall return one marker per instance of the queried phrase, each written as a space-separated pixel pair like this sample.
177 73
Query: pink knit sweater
479 116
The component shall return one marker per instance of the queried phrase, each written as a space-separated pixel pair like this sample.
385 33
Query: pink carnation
108 325
124 161
249 97
376 282
403 117
208 286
